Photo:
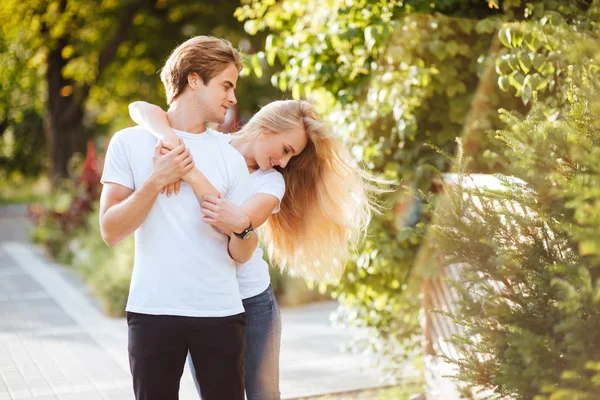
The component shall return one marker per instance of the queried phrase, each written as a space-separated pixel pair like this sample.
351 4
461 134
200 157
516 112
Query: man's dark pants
158 346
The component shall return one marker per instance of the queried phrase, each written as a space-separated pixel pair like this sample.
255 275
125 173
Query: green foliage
575 386
108 270
60 216
292 291
96 56
537 52
529 255
16 188
21 144
392 82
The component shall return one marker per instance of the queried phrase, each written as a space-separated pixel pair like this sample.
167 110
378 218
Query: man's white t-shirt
182 266
253 276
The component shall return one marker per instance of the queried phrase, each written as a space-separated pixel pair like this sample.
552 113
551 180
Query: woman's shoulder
270 176
271 173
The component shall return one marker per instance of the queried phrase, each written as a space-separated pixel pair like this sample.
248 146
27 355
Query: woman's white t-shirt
253 276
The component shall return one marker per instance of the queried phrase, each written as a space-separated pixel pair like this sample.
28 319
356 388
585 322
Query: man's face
215 98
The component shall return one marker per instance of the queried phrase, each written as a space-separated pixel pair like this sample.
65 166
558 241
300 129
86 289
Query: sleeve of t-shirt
240 187
273 184
117 166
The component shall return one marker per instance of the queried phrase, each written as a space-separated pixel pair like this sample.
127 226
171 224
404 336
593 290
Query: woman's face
276 149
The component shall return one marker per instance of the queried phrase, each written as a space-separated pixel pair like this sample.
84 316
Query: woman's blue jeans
263 342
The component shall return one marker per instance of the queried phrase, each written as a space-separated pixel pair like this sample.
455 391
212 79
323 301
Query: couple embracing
200 288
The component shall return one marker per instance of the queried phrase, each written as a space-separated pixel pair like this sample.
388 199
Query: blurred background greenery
400 81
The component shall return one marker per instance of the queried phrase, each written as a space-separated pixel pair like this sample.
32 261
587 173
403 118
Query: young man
183 295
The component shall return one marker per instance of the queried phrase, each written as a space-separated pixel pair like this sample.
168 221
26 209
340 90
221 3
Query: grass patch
18 189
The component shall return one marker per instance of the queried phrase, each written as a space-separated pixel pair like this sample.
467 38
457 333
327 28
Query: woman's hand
172 188
222 213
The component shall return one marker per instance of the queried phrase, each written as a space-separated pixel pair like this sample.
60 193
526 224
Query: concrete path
14 224
56 344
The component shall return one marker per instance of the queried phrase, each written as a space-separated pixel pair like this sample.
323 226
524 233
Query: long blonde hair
327 203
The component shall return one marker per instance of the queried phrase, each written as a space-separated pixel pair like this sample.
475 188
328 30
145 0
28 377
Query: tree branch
3 126
110 50
107 54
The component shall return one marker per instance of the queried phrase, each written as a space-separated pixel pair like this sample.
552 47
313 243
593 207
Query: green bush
16 188
529 256
107 270
392 78
292 291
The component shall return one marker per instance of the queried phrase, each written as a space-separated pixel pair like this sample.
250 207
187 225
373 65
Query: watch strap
245 233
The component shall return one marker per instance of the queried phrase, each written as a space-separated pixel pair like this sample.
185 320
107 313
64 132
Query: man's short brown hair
205 55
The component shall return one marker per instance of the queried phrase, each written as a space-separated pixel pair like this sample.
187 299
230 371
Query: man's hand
170 167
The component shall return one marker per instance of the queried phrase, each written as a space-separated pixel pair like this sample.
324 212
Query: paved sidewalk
56 344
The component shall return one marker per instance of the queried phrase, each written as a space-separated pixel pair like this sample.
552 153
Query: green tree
87 60
529 255
398 80
20 121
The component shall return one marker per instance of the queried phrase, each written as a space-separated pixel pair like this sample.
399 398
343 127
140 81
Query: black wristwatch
246 233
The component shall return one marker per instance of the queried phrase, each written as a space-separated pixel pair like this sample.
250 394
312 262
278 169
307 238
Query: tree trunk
64 122
66 139
477 120
65 133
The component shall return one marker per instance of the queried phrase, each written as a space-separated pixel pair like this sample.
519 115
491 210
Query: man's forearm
122 219
241 250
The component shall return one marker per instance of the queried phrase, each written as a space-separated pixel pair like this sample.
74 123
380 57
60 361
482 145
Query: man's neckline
189 135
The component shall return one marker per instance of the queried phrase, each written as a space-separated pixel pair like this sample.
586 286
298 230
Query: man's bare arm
122 210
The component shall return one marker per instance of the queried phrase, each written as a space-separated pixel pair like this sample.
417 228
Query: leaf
537 82
505 37
527 91
67 52
296 91
371 35
538 61
282 82
502 65
516 80
271 57
256 67
547 69
503 83
524 62
588 248
532 42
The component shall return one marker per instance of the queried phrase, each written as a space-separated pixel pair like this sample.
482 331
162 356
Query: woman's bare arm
154 119
201 185
224 214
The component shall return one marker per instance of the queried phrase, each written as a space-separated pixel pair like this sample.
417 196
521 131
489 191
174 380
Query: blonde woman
326 206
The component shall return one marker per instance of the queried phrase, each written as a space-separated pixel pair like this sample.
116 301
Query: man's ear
194 80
